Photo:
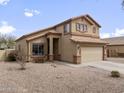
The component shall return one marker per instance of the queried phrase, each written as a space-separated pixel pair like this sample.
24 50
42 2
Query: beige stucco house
75 40
115 46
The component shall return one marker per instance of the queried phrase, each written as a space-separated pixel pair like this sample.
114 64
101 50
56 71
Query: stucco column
104 52
77 57
50 48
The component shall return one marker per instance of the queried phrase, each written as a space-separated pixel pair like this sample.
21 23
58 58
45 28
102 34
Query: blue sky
20 17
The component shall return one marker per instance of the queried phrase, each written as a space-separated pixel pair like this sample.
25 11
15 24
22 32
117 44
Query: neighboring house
75 40
115 46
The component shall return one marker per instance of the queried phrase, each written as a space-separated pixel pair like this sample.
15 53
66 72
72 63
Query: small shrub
2 49
11 57
21 61
115 74
22 65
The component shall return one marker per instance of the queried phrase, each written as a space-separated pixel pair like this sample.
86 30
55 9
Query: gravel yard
56 78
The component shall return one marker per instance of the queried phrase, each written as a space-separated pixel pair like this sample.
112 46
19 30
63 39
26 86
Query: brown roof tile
87 40
115 40
44 34
52 27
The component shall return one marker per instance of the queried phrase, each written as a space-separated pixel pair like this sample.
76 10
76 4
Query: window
94 29
66 28
78 27
84 27
38 49
81 27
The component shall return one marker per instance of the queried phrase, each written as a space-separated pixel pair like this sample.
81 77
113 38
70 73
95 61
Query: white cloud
5 28
28 14
36 12
105 35
4 2
31 12
118 32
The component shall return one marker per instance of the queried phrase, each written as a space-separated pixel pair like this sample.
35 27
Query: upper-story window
37 49
94 29
81 27
66 28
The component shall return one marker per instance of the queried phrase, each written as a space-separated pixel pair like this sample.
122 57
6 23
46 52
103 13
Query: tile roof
115 40
87 40
53 32
41 35
52 27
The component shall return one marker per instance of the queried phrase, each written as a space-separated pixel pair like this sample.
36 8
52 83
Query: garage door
93 54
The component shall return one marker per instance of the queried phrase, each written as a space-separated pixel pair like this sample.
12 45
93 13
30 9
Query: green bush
115 74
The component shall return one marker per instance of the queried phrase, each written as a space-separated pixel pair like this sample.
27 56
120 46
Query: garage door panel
89 54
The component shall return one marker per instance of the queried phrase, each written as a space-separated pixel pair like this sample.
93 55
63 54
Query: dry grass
55 78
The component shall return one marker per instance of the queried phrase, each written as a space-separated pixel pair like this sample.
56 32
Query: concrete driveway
109 66
117 60
105 65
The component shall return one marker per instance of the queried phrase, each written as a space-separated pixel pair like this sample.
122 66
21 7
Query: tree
7 40
2 40
10 41
123 3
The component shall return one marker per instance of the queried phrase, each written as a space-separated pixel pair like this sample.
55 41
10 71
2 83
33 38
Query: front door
56 48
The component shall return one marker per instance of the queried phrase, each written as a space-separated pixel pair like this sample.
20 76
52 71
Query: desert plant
11 57
21 60
22 65
115 74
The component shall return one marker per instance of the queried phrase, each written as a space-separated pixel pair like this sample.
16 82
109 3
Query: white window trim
81 27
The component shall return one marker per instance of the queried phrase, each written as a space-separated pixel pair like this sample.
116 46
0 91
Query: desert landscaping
57 78
61 46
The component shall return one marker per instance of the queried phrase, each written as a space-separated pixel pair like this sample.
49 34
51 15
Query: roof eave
52 27
93 20
90 42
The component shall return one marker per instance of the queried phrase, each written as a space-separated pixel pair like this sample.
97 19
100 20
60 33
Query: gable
87 19
91 19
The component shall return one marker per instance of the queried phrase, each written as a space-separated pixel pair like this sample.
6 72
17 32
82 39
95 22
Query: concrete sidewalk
105 65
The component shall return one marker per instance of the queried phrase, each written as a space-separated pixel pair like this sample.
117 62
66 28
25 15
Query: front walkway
105 65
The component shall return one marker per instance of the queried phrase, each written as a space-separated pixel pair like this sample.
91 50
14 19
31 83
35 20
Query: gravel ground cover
57 78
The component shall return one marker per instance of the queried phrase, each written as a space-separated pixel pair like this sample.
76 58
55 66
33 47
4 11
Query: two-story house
75 40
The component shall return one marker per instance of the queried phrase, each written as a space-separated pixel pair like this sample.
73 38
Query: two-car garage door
93 54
